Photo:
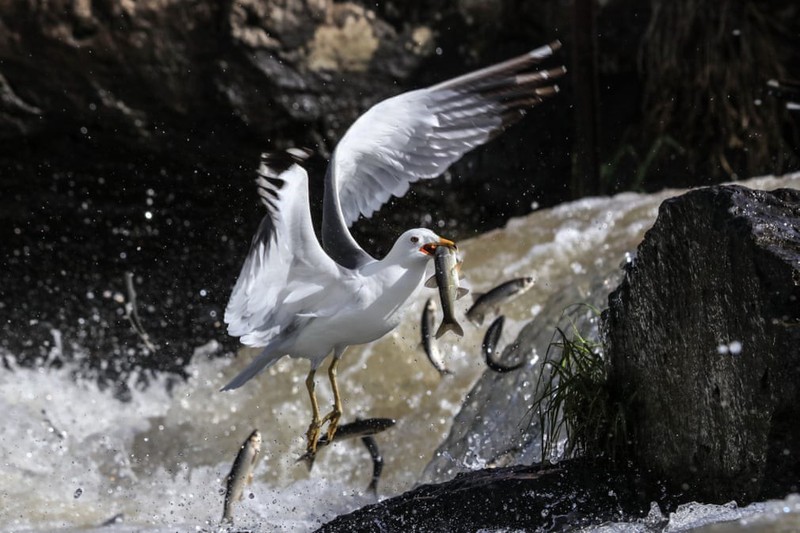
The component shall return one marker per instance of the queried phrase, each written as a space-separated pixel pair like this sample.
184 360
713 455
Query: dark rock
529 498
703 339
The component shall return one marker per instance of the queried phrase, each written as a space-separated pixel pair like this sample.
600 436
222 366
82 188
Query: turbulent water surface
74 456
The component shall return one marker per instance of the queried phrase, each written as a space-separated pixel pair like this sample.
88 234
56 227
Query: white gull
294 297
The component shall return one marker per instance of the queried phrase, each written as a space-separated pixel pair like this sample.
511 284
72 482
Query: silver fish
428 343
499 295
445 260
241 473
489 347
377 462
359 428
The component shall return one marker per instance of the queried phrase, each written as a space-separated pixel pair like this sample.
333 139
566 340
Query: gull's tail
268 357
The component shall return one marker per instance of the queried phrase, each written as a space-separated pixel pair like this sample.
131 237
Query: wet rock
529 498
703 338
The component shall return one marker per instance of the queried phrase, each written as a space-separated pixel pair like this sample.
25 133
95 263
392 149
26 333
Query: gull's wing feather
418 135
286 271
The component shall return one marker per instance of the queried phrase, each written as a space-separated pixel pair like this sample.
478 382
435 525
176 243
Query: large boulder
703 340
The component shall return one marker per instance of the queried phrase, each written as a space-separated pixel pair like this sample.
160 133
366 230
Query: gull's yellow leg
312 435
333 417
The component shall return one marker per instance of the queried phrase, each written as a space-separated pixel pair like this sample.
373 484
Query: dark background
130 131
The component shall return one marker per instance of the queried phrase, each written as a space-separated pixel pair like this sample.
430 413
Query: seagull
297 297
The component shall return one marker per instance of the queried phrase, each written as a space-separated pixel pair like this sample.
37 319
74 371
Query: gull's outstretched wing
417 135
286 271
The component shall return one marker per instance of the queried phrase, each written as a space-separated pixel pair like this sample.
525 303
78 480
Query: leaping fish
241 473
359 428
503 293
489 347
428 343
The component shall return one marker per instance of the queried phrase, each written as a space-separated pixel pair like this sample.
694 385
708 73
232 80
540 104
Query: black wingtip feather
273 164
278 162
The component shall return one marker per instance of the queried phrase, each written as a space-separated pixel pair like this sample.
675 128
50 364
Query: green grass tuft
573 402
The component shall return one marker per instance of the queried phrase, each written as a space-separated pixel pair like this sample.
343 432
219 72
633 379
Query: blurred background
130 131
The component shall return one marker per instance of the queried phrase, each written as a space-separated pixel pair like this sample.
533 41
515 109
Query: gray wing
418 135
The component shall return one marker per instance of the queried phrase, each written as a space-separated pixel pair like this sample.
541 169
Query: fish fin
455 327
462 291
476 295
431 282
476 318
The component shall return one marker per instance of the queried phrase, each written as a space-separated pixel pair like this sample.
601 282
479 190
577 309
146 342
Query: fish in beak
431 247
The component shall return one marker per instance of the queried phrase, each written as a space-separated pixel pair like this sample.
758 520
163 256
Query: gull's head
417 245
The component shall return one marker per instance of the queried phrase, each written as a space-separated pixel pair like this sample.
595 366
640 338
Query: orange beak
431 247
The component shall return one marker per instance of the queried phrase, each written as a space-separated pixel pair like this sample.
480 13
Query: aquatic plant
575 411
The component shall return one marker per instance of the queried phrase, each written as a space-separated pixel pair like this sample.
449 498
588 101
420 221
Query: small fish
499 295
359 428
116 519
445 260
428 344
489 347
377 462
241 473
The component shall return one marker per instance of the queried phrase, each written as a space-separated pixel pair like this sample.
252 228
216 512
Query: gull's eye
414 239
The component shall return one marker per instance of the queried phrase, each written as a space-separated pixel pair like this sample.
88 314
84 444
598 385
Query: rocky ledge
520 497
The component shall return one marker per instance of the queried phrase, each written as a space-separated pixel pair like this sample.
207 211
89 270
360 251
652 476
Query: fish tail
227 515
373 487
453 326
308 459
